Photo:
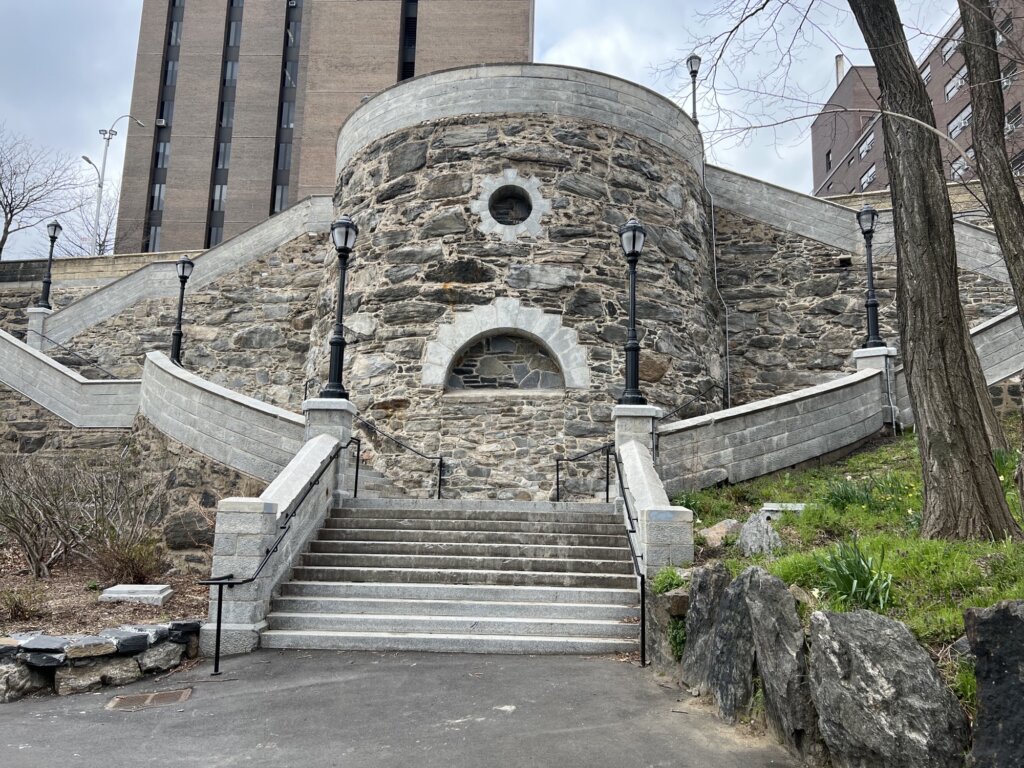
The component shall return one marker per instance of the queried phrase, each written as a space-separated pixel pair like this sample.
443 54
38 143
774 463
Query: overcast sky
66 70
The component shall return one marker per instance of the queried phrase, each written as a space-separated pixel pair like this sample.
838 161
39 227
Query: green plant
22 604
677 636
847 492
667 579
92 585
965 686
853 579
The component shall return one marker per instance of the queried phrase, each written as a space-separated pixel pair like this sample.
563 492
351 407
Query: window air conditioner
161 123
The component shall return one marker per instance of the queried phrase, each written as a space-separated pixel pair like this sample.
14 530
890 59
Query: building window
958 168
156 197
235 34
154 239
866 145
960 122
1004 29
230 73
291 74
868 177
828 159
163 154
956 82
1009 74
280 197
216 236
950 46
237 3
220 197
1017 164
224 155
293 33
1013 119
284 157
288 114
175 38
171 73
166 111
227 114
850 161
926 74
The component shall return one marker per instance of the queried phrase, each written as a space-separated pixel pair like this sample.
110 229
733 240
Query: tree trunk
962 494
1001 193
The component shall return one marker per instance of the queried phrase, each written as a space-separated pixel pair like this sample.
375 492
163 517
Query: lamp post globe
343 234
632 236
867 219
183 267
53 230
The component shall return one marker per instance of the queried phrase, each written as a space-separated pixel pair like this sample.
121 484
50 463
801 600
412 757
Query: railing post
359 458
607 475
643 621
558 479
440 474
216 646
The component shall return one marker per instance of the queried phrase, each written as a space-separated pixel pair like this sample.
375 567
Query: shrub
22 604
677 636
667 579
854 580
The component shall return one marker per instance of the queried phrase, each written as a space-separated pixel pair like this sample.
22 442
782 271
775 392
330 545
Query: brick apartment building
242 100
848 149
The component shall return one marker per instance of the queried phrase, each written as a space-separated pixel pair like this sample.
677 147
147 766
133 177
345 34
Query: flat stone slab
91 646
782 507
127 641
147 594
46 644
8 646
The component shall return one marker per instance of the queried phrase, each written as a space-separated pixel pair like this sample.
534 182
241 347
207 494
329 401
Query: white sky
66 70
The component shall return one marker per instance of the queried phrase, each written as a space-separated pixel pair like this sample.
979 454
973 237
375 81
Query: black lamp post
343 233
53 229
632 236
693 64
184 267
867 217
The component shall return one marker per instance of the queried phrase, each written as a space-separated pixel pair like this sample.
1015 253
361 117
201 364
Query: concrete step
476 537
451 625
511 563
500 526
440 575
477 505
389 606
469 549
445 513
627 596
444 643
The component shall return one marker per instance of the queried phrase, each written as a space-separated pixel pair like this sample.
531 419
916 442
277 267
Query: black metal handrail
558 469
439 459
228 580
673 412
88 361
631 528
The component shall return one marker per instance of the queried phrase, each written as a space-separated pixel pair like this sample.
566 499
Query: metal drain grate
145 700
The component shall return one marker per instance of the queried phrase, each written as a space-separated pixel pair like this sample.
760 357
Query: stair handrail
228 579
439 459
656 420
87 360
607 482
631 530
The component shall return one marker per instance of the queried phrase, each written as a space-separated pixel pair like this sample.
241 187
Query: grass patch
665 580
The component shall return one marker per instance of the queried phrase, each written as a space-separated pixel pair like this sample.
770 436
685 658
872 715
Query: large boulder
880 699
731 676
661 612
707 587
996 635
782 665
19 680
757 536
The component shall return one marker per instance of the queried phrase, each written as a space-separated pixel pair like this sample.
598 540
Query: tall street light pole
867 217
632 236
693 64
53 229
343 234
107 135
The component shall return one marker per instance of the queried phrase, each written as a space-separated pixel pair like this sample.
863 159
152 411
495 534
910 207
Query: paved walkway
369 710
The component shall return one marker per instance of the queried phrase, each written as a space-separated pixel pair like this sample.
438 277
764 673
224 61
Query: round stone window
510 205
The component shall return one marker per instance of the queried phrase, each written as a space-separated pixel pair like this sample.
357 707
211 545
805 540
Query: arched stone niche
505 316
504 362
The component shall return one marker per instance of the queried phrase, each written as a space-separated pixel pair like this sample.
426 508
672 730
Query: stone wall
15 298
430 257
796 307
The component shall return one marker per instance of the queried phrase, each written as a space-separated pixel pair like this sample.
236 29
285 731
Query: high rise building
243 99
848 147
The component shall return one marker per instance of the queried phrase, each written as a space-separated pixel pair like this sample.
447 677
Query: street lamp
53 229
693 64
184 267
343 234
107 135
867 217
632 236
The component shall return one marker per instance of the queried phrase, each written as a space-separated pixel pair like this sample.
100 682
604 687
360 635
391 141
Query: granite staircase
471 576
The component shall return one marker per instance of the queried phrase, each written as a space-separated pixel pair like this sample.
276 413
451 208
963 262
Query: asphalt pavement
380 710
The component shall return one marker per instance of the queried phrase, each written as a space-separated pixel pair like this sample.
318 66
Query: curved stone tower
486 307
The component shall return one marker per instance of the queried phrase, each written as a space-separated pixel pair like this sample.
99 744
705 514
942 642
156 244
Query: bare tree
35 184
962 494
80 236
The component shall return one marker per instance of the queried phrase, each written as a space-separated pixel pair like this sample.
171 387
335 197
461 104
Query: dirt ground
68 601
